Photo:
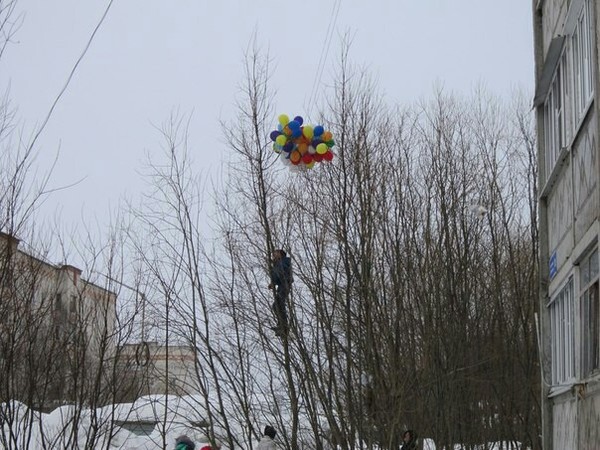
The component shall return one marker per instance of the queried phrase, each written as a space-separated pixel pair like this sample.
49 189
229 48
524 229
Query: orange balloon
287 131
302 148
327 136
295 157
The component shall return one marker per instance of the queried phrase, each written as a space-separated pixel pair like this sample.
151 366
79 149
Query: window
554 120
562 334
73 305
583 75
571 89
590 336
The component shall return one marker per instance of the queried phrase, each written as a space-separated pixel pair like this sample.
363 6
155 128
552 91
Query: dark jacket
184 443
412 444
281 273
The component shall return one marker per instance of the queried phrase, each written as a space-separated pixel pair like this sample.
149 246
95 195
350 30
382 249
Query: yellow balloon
284 120
281 140
322 148
308 132
310 165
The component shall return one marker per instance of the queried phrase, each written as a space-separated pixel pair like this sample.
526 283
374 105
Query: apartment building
566 36
56 329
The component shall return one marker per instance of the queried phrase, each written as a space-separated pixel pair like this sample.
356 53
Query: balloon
308 131
307 158
302 148
295 157
322 149
283 119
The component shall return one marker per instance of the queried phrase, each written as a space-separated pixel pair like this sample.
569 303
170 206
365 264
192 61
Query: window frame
589 314
562 334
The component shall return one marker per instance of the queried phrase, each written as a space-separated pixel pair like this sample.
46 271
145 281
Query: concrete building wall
569 208
159 369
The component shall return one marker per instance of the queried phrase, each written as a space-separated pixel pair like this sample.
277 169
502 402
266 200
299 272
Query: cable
66 85
324 53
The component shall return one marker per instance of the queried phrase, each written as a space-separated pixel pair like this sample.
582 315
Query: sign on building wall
553 267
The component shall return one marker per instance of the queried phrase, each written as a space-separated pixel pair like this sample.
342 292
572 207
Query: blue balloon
279 127
297 133
274 134
293 125
288 147
299 119
318 130
315 142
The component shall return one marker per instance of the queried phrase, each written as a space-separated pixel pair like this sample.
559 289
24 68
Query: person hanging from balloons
281 283
301 146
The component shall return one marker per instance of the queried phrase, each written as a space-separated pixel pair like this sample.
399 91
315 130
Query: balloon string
324 54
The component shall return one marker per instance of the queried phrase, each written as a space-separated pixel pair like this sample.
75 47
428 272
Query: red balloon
328 156
307 158
317 157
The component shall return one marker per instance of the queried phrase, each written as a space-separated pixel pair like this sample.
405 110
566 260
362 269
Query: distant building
55 328
59 341
146 362
568 115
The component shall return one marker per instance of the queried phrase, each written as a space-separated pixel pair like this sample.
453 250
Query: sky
150 58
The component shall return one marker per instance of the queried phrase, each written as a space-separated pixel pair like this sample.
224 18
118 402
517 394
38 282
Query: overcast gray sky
152 56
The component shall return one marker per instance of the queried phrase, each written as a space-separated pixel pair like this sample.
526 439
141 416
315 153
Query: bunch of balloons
301 146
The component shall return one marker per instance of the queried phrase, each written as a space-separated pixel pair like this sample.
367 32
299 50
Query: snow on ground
179 415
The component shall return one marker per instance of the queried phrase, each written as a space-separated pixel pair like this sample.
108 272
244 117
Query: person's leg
280 309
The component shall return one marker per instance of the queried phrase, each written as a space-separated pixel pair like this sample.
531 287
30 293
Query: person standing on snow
281 281
410 440
267 441
184 443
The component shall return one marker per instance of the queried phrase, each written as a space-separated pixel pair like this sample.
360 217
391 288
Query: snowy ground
48 430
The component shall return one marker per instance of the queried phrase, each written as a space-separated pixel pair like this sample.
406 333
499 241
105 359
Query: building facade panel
564 425
560 217
553 18
589 416
585 177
